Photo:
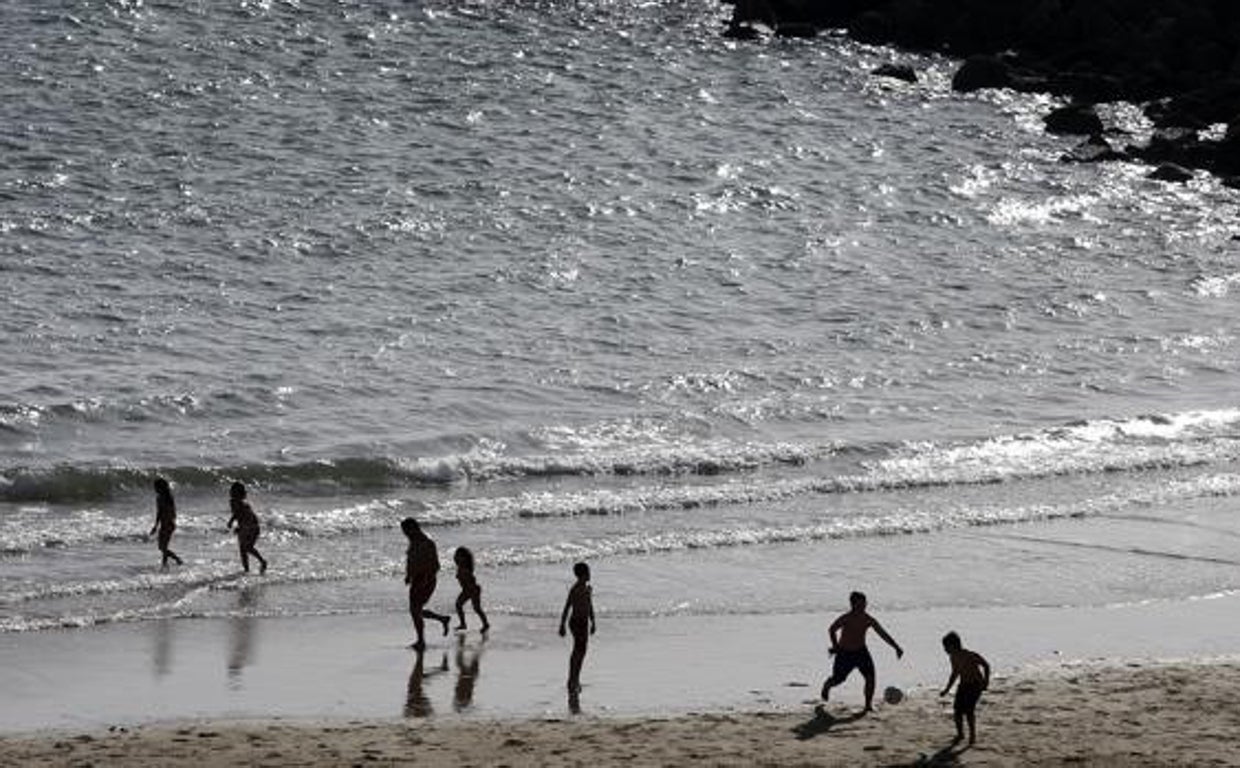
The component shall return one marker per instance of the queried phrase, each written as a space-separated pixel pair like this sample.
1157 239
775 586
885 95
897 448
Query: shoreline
344 668
1148 714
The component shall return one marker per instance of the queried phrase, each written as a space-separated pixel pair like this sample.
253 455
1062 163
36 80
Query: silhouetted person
848 646
247 527
973 672
165 520
471 592
579 614
421 574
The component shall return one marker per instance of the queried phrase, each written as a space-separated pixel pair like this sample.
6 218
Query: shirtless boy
973 671
848 646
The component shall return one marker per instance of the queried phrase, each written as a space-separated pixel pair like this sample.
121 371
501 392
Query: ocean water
740 324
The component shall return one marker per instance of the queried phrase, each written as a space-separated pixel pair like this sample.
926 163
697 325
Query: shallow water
740 324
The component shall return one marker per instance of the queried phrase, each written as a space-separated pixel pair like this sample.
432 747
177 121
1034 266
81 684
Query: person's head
581 571
463 558
162 487
237 490
411 527
951 642
857 601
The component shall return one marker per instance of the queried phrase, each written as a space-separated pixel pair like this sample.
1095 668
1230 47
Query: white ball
893 695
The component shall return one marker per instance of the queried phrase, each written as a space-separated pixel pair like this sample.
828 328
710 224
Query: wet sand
1176 714
1099 684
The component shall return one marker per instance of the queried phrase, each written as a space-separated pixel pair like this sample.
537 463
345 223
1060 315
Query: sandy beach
1163 714
1104 686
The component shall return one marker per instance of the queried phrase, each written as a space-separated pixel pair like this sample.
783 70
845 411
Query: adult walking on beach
165 520
421 574
848 646
247 527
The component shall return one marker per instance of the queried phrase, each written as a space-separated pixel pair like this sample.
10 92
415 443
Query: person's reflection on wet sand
467 666
162 654
242 641
417 703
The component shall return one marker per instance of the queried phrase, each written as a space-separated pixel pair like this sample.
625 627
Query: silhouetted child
165 519
579 614
848 646
974 674
247 527
471 592
422 575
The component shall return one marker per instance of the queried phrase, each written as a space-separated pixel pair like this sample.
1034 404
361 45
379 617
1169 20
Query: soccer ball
893 695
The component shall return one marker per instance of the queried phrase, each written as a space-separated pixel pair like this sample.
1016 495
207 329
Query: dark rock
980 72
1169 145
1074 119
796 29
736 31
1170 172
1095 149
898 71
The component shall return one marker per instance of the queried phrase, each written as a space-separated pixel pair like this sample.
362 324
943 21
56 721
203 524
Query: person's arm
833 632
950 681
985 665
232 519
568 603
591 614
890 640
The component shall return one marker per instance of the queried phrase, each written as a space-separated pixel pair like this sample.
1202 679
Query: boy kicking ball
848 646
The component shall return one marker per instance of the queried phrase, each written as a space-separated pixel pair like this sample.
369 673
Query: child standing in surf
247 527
579 615
471 592
165 520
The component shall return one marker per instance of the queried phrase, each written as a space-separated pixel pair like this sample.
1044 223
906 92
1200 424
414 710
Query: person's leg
262 563
477 601
972 726
245 555
419 627
865 663
575 661
460 610
439 617
869 689
840 670
959 716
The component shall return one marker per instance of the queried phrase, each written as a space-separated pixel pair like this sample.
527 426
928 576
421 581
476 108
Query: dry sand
1134 715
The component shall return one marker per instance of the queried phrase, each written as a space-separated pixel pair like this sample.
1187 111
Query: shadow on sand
949 755
823 721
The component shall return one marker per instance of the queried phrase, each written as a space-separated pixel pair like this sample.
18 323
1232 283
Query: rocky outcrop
1179 58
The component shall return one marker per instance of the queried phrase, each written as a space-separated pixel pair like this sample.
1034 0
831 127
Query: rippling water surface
741 324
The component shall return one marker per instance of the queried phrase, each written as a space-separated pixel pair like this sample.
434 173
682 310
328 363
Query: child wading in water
247 527
471 592
848 646
579 614
165 519
974 674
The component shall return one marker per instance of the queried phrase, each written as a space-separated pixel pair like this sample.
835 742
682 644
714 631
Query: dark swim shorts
967 697
847 661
